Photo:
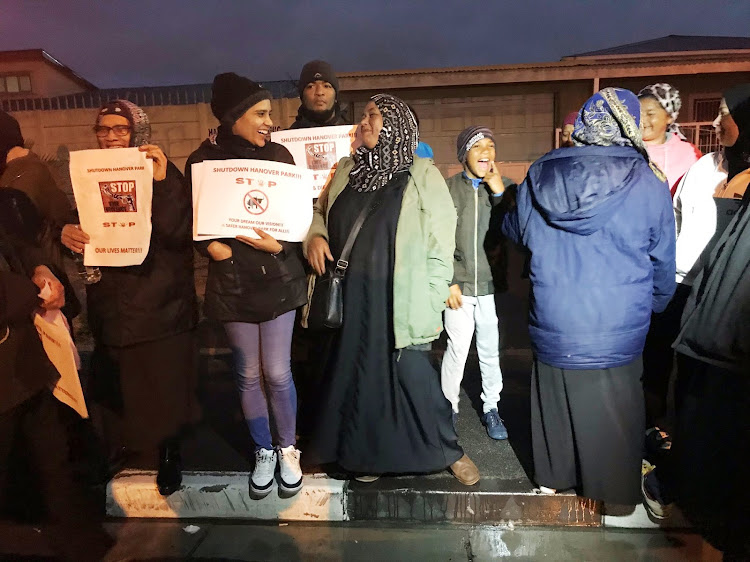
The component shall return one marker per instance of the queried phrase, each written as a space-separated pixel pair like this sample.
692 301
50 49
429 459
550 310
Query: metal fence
145 97
702 135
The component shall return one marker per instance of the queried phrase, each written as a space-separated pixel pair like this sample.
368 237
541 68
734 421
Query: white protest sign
113 190
235 196
319 149
55 335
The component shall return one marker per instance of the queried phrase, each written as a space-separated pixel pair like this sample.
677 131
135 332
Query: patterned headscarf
394 152
611 118
669 98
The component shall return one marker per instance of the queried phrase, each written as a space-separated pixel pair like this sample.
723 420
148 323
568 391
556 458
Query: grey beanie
469 137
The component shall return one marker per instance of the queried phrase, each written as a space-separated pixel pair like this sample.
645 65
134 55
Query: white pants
476 313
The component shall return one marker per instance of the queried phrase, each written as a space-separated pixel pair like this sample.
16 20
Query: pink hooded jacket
674 157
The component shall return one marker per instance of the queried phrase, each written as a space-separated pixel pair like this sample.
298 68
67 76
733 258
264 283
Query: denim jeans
266 348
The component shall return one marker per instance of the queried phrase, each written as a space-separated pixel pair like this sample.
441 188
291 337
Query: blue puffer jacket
600 229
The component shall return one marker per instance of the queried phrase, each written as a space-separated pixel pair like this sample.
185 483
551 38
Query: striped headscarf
611 118
394 151
669 98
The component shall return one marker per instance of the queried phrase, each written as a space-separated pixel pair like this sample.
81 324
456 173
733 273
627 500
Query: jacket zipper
476 235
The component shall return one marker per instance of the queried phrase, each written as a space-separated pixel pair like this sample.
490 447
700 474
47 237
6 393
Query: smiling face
479 158
319 96
255 124
654 121
110 125
726 129
370 125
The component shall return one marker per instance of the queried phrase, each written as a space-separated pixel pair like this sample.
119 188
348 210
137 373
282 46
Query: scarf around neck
394 151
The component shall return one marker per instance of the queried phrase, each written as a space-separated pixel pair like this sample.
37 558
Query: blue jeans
266 345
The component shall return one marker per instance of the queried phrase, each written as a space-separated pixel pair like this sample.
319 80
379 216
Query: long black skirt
383 410
587 430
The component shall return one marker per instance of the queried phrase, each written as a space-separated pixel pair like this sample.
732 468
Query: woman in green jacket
383 410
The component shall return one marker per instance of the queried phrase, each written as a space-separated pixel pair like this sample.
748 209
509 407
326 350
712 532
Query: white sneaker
290 473
261 481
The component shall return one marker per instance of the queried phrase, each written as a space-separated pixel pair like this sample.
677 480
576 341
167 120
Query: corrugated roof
672 44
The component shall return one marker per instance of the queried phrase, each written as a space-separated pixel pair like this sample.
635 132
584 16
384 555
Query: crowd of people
629 255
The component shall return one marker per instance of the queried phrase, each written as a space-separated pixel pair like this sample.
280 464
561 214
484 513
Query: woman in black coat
143 317
253 289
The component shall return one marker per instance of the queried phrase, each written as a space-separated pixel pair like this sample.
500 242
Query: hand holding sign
266 242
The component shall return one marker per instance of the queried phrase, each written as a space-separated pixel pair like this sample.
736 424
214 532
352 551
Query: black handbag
326 307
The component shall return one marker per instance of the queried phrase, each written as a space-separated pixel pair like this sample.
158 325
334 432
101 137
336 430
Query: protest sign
318 149
231 197
61 351
113 190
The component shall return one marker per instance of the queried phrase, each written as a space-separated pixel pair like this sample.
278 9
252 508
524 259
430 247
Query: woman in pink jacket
666 145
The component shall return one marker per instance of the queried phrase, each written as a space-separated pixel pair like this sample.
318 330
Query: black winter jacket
304 121
156 299
252 285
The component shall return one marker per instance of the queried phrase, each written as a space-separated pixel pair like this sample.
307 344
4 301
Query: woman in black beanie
254 287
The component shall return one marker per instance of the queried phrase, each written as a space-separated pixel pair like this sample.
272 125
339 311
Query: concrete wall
46 81
178 129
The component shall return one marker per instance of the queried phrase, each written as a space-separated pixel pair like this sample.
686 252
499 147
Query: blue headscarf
611 117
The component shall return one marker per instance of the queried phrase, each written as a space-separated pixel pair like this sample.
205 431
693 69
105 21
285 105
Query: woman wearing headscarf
668 149
143 317
667 146
597 221
712 392
384 410
254 287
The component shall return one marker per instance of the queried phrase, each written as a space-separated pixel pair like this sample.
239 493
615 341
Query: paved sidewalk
215 541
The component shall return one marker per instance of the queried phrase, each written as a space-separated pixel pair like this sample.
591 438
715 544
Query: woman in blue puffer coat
597 220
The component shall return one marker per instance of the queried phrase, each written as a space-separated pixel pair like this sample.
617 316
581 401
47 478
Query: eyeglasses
119 130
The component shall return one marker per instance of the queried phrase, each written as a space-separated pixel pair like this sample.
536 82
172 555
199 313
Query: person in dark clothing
318 89
712 391
254 288
143 317
30 425
597 220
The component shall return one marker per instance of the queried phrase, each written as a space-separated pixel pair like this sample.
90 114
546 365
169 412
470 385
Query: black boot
169 478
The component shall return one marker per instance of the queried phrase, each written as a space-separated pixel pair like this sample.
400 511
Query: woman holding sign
143 316
253 288
384 411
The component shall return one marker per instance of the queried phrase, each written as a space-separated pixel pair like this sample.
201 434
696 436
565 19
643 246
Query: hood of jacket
578 189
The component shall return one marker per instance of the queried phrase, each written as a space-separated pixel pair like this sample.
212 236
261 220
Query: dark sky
150 43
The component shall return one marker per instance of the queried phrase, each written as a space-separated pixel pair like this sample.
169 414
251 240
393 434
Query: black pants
72 522
658 356
152 386
708 467
587 430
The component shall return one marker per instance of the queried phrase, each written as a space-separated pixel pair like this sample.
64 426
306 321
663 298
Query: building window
706 109
15 83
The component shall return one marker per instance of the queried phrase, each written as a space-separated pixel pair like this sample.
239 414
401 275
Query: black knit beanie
469 137
10 136
317 70
232 95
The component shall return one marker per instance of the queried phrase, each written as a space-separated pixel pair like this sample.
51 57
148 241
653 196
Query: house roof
672 44
41 54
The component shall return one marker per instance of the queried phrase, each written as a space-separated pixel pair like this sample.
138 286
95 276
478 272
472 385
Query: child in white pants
471 304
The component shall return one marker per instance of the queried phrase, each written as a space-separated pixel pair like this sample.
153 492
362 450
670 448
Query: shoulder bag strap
343 262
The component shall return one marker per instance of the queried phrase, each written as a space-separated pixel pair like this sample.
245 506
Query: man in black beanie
318 89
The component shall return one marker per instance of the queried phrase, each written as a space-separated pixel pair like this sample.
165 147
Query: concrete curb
133 493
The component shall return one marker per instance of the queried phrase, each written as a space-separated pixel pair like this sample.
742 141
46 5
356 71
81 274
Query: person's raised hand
494 180
160 160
